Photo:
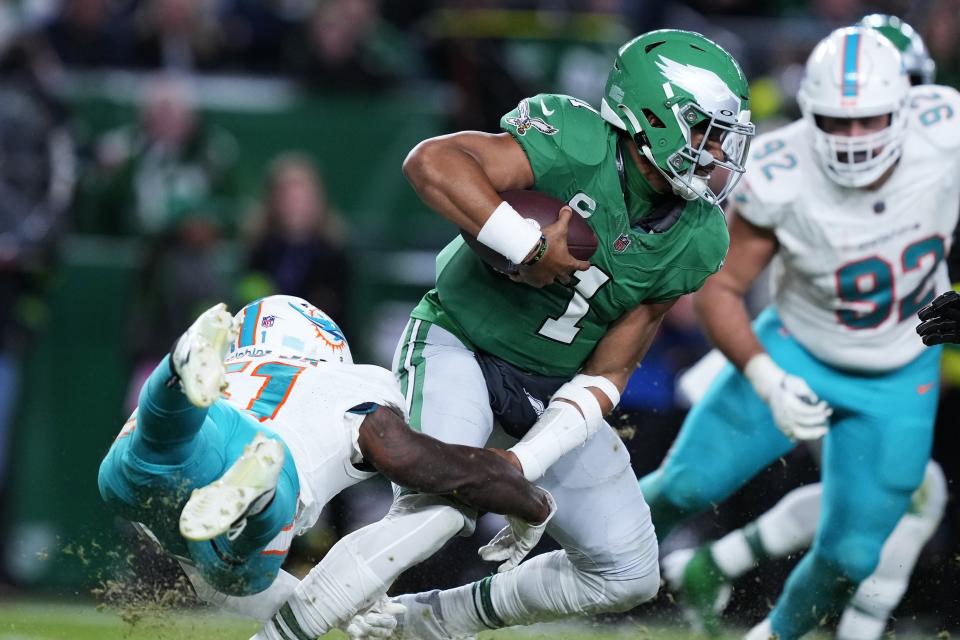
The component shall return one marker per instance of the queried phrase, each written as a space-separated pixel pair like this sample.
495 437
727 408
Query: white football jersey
306 401
855 265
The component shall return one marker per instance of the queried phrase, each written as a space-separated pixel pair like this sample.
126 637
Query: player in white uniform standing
703 575
855 204
224 483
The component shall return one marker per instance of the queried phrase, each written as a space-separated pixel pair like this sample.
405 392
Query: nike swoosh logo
543 107
923 388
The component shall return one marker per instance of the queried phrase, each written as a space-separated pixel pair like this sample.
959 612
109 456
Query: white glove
797 411
516 540
379 620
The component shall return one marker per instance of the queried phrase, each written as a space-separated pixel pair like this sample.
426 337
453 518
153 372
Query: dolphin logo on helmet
295 325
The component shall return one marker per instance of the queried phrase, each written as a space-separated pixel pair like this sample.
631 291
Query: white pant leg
609 560
443 386
446 398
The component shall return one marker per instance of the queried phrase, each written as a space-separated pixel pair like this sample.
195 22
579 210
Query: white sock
860 625
260 606
786 528
362 565
543 588
791 524
866 616
733 555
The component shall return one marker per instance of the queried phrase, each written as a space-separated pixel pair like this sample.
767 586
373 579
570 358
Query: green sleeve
537 125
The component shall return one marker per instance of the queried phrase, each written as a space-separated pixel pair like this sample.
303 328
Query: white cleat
198 356
245 489
763 631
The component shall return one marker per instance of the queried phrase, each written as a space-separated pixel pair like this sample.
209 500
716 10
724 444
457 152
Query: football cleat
702 588
197 358
244 490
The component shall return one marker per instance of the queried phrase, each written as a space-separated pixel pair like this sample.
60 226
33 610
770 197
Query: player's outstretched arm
460 177
480 478
577 409
723 314
721 305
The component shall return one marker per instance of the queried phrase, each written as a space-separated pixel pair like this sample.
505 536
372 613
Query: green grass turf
23 620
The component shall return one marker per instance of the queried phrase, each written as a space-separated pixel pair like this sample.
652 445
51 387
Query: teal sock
815 590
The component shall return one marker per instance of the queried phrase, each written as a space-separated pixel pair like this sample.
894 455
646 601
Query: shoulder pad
574 125
933 112
773 178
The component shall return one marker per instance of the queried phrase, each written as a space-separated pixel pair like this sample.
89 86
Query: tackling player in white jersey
855 205
224 484
703 576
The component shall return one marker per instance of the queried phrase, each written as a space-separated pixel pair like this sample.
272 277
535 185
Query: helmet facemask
859 161
855 73
667 88
693 171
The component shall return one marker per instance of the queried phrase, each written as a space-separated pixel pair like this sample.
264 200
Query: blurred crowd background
157 156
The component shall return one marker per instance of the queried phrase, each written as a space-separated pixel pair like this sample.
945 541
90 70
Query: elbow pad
562 427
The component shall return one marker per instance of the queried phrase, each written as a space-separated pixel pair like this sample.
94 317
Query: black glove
941 320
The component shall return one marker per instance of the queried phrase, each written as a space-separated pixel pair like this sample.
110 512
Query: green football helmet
920 67
666 83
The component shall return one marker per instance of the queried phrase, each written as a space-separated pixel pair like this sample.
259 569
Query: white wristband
763 373
602 383
509 234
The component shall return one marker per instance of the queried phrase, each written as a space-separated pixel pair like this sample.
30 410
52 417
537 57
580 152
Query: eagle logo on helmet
523 122
710 91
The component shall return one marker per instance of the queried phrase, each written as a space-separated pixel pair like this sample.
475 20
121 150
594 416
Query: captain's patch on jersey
523 121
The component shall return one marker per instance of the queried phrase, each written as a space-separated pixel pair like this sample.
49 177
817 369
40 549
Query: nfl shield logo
267 321
621 243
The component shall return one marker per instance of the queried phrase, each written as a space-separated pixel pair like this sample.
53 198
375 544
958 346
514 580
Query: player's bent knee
235 577
627 584
855 559
623 594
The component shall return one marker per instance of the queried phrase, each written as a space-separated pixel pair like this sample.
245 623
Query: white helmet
291 323
855 72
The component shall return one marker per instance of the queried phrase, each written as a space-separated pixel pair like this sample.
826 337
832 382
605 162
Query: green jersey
551 331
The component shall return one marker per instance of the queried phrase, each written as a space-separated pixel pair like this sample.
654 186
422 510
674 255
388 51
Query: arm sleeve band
599 382
562 428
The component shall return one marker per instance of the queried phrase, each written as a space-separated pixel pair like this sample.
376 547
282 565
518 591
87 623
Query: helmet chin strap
679 188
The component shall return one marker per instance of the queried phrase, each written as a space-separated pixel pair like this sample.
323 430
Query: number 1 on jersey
564 329
279 378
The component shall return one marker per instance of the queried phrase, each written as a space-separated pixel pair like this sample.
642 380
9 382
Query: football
544 210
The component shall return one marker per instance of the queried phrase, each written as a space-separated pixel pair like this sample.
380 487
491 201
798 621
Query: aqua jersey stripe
248 330
851 63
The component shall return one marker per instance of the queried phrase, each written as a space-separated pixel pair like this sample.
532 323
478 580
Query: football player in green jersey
561 337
